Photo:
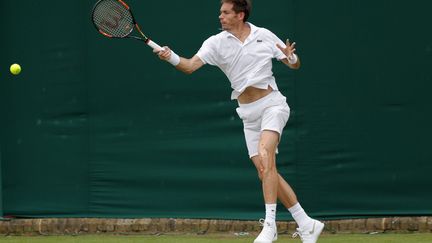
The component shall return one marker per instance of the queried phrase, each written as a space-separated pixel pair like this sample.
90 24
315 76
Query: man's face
228 18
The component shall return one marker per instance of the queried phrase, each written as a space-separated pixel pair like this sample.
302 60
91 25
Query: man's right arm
185 65
189 66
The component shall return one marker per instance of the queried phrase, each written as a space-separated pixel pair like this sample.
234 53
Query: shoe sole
274 239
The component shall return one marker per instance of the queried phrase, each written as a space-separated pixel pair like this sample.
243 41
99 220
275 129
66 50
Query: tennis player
244 53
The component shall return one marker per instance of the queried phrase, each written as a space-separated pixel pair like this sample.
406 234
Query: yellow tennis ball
15 69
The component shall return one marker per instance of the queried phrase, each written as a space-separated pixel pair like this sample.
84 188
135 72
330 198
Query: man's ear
241 15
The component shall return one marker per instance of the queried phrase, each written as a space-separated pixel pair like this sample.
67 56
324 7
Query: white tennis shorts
268 113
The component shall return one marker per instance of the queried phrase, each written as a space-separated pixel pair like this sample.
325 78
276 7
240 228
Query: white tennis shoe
310 235
268 233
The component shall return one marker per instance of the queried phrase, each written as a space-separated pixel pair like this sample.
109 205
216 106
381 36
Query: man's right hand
163 54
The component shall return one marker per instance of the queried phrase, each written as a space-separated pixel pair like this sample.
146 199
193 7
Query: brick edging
76 226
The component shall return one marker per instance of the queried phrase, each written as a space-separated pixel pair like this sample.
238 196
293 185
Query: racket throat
146 40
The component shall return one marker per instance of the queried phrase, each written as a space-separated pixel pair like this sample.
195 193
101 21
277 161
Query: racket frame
144 38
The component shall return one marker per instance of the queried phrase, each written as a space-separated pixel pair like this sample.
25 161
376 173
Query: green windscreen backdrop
95 127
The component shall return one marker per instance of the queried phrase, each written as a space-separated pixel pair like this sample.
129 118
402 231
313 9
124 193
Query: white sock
270 213
300 216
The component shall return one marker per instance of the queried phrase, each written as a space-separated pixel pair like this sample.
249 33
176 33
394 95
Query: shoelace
262 223
297 233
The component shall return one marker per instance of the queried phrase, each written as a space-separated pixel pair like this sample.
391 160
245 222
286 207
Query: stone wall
76 226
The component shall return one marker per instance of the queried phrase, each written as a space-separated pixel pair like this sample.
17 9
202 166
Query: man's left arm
293 61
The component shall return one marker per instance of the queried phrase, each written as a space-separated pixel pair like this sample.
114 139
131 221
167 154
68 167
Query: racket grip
154 45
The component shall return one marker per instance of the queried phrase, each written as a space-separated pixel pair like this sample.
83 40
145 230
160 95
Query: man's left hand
289 50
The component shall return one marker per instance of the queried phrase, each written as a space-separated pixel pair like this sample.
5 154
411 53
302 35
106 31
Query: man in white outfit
244 53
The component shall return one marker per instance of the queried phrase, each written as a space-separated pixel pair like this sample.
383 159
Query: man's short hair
239 6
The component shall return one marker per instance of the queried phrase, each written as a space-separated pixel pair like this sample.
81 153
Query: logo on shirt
259 41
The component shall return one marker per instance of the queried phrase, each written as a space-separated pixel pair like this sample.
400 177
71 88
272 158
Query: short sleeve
208 51
277 53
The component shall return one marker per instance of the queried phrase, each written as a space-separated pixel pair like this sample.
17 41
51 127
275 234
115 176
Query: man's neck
241 32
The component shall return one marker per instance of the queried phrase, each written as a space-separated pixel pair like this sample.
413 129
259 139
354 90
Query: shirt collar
254 29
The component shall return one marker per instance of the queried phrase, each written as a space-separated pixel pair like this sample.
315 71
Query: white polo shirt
245 64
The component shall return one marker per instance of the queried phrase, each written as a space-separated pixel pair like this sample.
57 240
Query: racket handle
154 45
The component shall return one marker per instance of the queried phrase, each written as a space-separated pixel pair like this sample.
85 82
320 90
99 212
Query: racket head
113 18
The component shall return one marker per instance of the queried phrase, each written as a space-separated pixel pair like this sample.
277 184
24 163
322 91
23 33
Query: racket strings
113 19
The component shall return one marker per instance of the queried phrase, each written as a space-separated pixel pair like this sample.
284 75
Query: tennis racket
114 19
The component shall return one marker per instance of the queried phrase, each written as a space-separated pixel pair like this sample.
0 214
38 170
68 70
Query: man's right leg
285 193
309 229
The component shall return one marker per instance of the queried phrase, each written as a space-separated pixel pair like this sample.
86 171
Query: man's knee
257 162
260 174
267 161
